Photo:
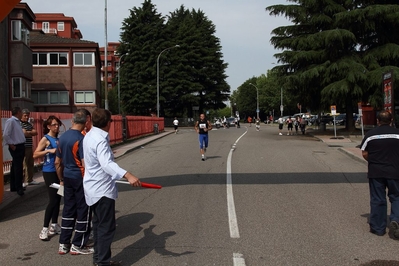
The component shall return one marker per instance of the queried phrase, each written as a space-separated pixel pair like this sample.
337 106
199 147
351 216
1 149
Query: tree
191 75
329 50
142 37
199 78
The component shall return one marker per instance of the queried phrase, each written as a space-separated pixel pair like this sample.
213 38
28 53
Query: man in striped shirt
29 132
380 147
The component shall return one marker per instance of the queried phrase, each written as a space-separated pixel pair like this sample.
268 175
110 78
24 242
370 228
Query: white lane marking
234 233
238 259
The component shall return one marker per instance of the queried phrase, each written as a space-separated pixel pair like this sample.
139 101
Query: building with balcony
112 64
16 58
66 69
66 73
57 24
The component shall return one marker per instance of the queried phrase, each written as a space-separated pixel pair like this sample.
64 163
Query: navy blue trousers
378 202
76 214
17 166
104 227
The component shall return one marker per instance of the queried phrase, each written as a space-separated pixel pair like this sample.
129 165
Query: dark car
231 121
340 119
327 119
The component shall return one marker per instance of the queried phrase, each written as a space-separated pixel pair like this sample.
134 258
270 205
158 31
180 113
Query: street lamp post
105 59
257 100
119 83
281 105
158 75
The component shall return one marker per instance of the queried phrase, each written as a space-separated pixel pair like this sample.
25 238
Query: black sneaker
394 229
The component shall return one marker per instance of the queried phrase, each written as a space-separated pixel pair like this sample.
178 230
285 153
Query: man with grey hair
29 132
70 170
380 147
15 139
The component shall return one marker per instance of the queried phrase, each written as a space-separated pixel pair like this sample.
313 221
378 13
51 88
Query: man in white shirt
14 137
101 173
176 124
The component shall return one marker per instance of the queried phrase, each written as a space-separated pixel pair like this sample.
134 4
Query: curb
353 156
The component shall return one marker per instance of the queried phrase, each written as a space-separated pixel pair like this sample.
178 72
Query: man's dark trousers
378 202
104 227
16 172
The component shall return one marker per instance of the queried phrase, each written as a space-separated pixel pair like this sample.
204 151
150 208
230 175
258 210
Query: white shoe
55 229
25 184
203 157
44 234
288 134
280 134
34 183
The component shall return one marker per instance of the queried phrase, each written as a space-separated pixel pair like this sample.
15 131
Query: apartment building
66 69
16 58
112 64
45 65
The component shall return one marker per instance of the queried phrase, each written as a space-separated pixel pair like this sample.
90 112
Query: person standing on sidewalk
69 164
15 139
176 124
202 126
100 189
47 148
280 126
380 148
29 163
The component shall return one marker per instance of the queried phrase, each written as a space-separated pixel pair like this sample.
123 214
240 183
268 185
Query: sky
242 26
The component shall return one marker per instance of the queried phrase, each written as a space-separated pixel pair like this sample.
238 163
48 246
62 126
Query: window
19 32
84 97
60 26
46 27
84 59
21 88
50 97
50 59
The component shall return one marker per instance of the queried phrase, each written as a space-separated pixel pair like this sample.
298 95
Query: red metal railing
136 126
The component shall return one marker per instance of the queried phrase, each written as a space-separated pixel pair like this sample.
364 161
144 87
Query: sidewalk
33 190
349 145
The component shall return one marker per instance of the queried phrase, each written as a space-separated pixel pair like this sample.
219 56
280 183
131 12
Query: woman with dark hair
46 149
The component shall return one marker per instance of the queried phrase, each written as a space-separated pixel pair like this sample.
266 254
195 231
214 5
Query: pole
105 59
158 75
119 84
281 104
257 100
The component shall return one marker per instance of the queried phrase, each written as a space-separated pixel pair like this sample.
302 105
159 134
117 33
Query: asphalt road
288 200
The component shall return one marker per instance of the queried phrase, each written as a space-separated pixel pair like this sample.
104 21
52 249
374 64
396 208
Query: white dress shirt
101 171
13 133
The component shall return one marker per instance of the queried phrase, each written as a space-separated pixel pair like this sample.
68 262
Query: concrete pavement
349 145
10 198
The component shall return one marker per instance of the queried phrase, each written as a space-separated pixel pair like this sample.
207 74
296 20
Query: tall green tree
142 38
192 74
199 78
329 50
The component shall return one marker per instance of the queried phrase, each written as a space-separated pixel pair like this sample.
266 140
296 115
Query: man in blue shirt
100 189
70 170
14 136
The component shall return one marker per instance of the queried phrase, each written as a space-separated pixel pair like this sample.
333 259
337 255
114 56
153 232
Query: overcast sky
243 27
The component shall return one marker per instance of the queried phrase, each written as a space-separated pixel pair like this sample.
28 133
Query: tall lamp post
119 83
257 100
105 59
158 74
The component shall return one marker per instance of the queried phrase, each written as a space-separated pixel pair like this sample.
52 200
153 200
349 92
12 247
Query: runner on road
202 126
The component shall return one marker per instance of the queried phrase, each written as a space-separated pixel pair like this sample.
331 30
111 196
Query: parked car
284 118
326 119
231 121
340 119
